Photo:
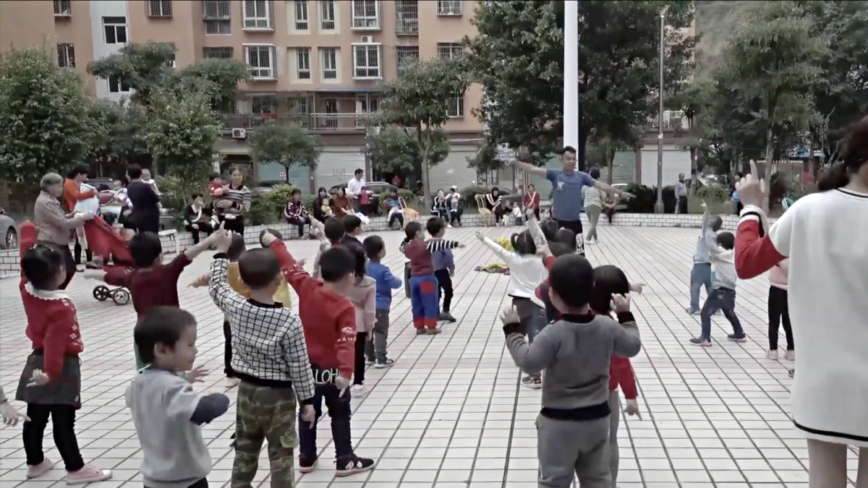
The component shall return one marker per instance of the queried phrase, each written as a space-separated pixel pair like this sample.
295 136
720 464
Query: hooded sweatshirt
364 298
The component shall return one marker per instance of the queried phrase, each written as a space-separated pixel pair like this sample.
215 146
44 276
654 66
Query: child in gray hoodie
575 352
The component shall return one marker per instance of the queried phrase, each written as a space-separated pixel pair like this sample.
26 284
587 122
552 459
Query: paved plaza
451 412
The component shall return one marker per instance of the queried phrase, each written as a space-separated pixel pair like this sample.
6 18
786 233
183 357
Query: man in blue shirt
567 202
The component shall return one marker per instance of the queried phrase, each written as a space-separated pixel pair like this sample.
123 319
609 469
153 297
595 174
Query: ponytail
836 177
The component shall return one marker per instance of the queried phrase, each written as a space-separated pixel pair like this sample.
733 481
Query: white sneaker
358 389
232 382
772 354
790 355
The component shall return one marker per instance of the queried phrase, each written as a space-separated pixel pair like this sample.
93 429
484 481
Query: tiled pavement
451 413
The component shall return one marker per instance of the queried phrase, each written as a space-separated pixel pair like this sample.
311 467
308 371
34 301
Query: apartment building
317 63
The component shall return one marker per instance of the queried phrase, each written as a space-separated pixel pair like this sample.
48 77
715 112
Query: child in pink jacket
364 298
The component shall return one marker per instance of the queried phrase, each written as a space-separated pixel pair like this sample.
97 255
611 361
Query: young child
269 356
575 352
778 309
527 271
423 284
352 231
444 268
50 384
167 412
609 282
329 321
700 274
333 232
364 298
722 296
375 248
151 283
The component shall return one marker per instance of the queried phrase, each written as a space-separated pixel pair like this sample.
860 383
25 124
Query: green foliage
407 195
469 193
117 134
713 193
223 75
43 116
397 149
518 58
267 206
286 144
485 159
175 193
145 67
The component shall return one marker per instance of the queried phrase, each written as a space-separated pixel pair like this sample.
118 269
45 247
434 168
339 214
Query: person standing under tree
232 217
355 187
681 195
145 202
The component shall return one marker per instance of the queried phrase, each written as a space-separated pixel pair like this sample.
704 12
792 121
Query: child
352 231
609 282
526 272
778 309
423 284
215 186
722 296
295 213
393 204
700 274
50 384
364 298
328 318
236 249
375 248
575 352
444 267
167 413
333 231
269 356
152 283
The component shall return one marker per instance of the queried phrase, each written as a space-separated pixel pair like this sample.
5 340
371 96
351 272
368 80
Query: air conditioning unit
239 133
367 39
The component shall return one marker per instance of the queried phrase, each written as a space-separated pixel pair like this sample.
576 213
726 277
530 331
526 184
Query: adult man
354 187
681 195
567 202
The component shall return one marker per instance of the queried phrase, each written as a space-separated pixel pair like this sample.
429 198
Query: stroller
120 295
107 243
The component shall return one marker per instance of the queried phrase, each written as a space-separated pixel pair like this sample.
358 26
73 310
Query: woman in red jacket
50 384
530 201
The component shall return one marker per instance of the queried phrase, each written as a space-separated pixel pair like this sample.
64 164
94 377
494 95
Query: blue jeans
424 301
720 299
532 318
700 275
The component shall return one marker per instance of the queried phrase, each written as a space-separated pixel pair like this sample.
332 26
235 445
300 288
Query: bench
172 234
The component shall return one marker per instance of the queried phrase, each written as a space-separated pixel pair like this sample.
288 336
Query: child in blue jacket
375 350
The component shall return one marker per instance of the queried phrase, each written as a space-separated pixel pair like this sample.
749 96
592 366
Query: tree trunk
286 173
770 153
610 161
426 151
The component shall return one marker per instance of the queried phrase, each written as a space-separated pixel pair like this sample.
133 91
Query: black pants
778 303
63 421
236 225
87 253
339 410
396 216
69 264
455 216
203 483
227 350
359 375
499 212
202 227
682 205
147 222
444 288
573 225
299 222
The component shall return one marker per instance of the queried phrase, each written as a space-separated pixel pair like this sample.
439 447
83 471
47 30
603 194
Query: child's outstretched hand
509 316
620 303
11 416
637 287
195 375
633 409
199 282
461 246
480 236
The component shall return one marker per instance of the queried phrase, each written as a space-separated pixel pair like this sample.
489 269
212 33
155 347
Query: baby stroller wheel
101 293
121 297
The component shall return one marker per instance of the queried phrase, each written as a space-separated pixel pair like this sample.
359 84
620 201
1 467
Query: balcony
406 18
316 122
673 121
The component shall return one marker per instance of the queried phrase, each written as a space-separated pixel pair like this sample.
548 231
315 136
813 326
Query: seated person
196 218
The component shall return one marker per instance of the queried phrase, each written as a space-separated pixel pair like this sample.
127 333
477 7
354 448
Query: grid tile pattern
451 413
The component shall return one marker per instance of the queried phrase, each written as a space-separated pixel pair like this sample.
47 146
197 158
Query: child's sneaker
433 330
386 363
421 331
531 382
772 354
790 355
40 469
352 464
447 317
737 338
369 361
88 474
701 342
306 464
792 372
692 312
358 389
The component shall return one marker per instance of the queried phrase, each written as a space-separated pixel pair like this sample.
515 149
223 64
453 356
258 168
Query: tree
603 151
286 144
117 135
419 101
394 150
223 75
773 59
518 58
486 159
43 116
183 131
144 67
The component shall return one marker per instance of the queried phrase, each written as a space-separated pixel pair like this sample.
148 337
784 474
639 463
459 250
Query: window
449 50
66 56
263 104
302 57
217 53
407 17
301 15
329 62
117 85
115 30
455 107
257 14
366 107
217 16
448 7
62 8
405 56
366 61
160 8
260 61
366 14
327 14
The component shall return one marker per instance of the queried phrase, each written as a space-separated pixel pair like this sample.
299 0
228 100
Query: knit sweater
526 272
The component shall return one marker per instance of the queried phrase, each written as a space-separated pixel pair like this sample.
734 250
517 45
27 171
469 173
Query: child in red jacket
50 384
329 322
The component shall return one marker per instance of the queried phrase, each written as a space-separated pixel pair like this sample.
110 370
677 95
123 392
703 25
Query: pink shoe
40 469
88 474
